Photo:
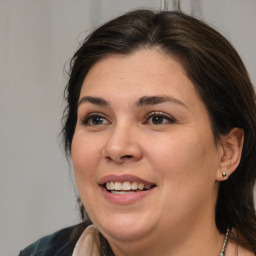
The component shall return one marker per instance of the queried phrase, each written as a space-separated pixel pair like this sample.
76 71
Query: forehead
145 72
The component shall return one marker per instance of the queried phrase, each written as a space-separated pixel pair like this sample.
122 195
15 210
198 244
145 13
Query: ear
232 145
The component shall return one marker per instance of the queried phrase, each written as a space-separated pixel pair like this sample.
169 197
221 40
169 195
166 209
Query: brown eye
94 119
159 118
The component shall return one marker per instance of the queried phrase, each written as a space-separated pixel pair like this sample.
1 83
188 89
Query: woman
160 125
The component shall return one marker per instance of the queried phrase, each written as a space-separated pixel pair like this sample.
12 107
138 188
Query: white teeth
135 185
121 192
141 186
110 185
118 186
126 186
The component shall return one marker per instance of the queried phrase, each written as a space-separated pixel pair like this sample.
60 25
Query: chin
124 228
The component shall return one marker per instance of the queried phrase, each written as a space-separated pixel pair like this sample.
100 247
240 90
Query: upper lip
123 178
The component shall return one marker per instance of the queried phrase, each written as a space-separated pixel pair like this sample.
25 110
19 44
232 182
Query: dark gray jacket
60 243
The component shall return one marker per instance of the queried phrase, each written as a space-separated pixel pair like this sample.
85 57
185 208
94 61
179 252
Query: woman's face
143 152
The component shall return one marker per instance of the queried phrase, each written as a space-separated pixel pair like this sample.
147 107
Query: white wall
36 39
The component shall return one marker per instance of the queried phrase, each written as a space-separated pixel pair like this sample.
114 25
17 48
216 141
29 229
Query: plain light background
37 38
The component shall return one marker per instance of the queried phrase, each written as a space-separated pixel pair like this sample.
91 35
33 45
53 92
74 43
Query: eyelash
169 118
86 119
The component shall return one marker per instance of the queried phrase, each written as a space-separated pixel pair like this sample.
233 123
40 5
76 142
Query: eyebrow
154 100
143 101
93 100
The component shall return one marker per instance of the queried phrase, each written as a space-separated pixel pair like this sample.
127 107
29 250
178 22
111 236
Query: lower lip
125 199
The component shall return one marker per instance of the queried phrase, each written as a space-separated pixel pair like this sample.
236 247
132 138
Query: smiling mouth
127 187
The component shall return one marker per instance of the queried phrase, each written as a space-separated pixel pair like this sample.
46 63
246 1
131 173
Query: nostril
121 159
127 156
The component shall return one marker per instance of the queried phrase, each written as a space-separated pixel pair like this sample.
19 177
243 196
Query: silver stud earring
224 174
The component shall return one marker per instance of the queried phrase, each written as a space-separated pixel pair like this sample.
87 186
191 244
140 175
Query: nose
122 145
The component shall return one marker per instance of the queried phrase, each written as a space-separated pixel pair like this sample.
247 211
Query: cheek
187 169
184 156
85 157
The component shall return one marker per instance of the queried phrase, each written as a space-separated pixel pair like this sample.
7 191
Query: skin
178 154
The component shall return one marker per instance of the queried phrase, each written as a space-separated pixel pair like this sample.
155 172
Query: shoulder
60 243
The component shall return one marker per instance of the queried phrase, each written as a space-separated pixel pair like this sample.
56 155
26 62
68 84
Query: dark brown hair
219 77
